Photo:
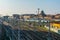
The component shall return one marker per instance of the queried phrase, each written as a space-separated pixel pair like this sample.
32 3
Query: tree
43 14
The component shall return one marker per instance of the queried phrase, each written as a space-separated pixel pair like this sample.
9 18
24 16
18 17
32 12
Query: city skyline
8 7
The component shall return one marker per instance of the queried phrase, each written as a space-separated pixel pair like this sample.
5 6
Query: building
49 17
27 16
16 16
5 18
57 16
54 26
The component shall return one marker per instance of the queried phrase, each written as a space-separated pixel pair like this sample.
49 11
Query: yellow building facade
55 25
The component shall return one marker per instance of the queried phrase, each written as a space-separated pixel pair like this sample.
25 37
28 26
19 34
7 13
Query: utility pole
49 36
18 30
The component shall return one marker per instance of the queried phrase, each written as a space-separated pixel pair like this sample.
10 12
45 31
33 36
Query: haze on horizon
8 7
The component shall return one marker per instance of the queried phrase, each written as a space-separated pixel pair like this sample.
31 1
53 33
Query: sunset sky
8 7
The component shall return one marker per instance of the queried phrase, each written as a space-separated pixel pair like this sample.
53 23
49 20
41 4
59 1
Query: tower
38 12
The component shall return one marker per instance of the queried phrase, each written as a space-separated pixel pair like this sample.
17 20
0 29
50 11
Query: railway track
34 35
24 34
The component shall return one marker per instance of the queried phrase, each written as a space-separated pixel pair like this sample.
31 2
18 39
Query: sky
9 7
